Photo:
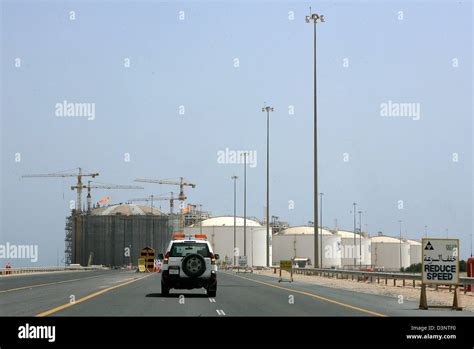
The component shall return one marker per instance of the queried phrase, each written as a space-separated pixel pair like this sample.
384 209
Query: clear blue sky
191 63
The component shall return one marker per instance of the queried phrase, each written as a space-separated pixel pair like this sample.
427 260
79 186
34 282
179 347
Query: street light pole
245 203
321 235
355 241
235 219
426 231
315 18
360 239
152 222
200 219
471 243
400 244
268 110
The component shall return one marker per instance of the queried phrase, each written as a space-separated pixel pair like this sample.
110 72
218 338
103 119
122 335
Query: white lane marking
212 300
220 312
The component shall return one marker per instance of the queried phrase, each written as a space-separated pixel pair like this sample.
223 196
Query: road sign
148 254
242 261
440 261
286 265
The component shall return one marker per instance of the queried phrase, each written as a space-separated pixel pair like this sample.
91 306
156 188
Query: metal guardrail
11 271
372 276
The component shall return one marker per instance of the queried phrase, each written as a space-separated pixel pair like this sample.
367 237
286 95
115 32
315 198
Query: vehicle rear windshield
182 249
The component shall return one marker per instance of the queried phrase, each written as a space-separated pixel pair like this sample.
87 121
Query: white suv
189 263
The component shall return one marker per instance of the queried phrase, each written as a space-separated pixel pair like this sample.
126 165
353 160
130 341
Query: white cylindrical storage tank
360 251
386 253
415 251
220 233
298 242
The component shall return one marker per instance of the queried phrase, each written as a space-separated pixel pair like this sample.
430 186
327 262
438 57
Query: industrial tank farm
114 235
298 242
415 251
220 233
350 248
386 252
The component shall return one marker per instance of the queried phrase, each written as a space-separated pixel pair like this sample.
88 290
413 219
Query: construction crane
152 198
182 183
79 186
181 197
102 186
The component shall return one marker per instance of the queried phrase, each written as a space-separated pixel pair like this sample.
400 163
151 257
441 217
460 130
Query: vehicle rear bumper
172 281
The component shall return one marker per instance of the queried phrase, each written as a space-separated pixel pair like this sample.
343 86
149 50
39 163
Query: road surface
127 293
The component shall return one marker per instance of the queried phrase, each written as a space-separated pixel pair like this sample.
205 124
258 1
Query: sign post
288 266
243 263
440 266
141 265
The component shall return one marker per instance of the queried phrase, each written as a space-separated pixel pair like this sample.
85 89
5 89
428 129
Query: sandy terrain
440 297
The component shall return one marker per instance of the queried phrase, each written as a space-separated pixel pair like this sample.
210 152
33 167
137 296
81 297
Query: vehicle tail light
167 256
200 236
179 236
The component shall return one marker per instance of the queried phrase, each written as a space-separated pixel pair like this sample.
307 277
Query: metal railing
373 276
11 271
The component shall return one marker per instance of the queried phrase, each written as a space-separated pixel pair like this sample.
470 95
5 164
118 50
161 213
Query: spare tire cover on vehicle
193 265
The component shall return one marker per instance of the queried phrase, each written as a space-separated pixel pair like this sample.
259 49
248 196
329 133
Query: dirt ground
440 297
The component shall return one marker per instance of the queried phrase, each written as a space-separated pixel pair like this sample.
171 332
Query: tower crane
79 186
181 197
102 186
182 183
158 198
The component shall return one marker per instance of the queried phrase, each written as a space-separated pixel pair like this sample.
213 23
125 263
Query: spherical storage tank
415 251
298 242
220 233
386 253
360 251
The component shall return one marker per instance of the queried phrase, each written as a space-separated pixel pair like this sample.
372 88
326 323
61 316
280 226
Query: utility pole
315 18
268 110
234 178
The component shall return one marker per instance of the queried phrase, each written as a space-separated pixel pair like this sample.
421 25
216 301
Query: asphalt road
126 293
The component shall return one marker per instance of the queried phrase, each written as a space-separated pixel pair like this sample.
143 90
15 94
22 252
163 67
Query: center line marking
212 300
220 312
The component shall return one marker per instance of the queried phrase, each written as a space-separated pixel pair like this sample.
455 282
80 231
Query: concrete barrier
12 271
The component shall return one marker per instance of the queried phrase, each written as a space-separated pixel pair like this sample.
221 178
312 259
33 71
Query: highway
127 293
